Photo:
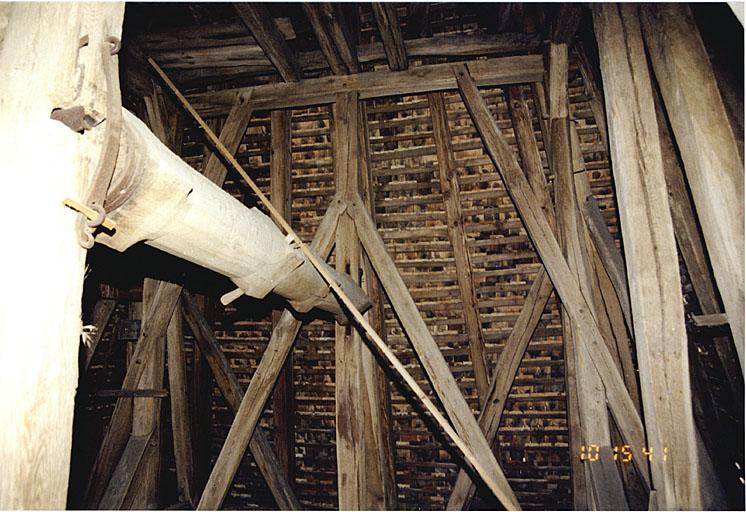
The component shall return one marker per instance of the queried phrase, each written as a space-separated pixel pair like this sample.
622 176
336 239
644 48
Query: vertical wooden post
40 58
652 264
283 407
712 161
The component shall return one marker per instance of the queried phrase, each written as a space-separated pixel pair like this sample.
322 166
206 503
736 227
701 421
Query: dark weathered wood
504 374
457 234
375 84
566 23
706 142
655 289
231 135
231 390
201 386
118 430
152 393
283 396
391 36
248 411
180 424
593 91
268 36
121 479
546 245
333 35
430 356
102 311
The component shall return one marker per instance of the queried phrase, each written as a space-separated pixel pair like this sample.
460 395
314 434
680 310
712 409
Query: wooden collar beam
374 84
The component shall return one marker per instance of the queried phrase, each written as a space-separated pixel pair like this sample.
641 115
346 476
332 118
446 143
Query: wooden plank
450 189
333 34
262 26
202 385
180 424
248 411
593 91
102 311
655 290
504 374
283 396
391 36
712 162
375 84
430 356
121 480
231 390
118 430
546 245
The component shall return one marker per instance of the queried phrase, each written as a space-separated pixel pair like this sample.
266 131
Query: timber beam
390 32
374 84
333 33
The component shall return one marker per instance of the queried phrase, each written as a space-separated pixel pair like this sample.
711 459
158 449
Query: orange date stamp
592 453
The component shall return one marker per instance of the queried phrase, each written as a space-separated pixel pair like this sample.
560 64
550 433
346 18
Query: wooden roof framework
610 318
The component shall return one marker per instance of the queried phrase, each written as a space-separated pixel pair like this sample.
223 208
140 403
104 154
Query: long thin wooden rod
210 500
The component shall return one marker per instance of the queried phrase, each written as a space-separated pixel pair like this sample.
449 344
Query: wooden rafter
334 37
390 32
374 84
456 232
549 250
261 24
655 289
102 311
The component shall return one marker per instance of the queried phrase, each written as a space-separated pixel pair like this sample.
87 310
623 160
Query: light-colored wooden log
391 36
231 390
430 356
333 35
180 424
374 84
652 264
248 411
39 55
546 245
102 311
283 396
450 189
712 162
262 26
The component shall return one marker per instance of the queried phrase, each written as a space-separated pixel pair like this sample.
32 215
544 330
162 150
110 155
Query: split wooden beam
390 31
258 20
334 37
231 390
450 189
180 424
655 289
546 244
249 410
374 84
283 396
102 311
712 162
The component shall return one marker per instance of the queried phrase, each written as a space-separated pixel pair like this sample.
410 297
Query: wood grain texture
334 37
374 84
231 134
102 311
457 234
652 264
712 162
257 19
391 36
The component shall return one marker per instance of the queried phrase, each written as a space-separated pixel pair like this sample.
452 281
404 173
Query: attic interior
514 280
